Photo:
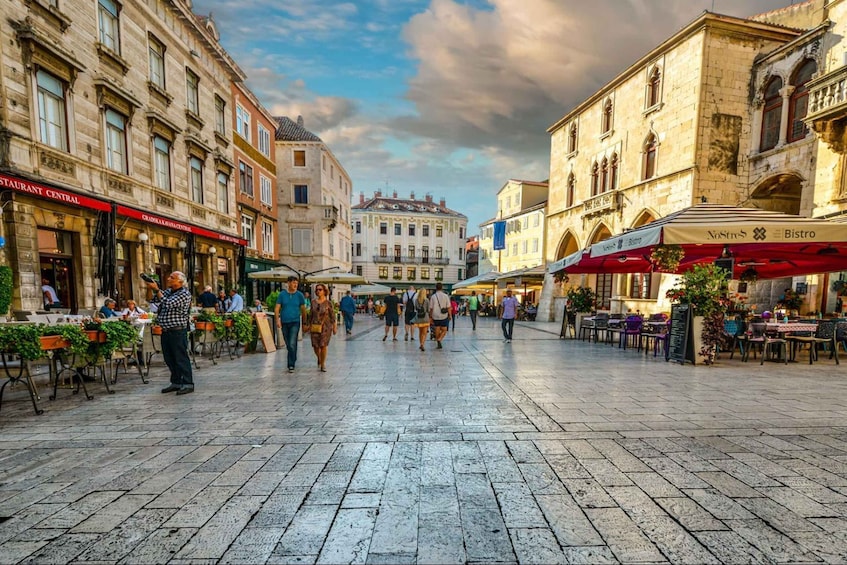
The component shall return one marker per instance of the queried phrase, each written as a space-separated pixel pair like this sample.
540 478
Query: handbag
316 328
443 310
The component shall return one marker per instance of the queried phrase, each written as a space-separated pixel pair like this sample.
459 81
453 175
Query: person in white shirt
132 310
51 298
440 313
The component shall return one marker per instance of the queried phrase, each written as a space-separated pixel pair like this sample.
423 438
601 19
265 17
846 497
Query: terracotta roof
403 205
289 130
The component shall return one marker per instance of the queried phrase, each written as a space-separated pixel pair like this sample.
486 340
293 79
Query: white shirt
51 293
138 311
438 301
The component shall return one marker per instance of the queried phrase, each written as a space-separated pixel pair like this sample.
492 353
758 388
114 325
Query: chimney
361 198
442 202
300 121
429 198
377 193
395 194
412 195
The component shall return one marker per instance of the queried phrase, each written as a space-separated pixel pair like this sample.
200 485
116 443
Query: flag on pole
499 236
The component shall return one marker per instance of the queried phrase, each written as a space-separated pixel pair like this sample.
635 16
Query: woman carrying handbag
322 324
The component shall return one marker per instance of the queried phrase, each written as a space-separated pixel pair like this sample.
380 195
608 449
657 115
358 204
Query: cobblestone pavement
538 451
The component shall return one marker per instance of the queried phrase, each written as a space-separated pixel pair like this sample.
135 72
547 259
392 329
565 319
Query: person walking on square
409 313
454 311
348 310
440 312
174 306
290 309
420 307
508 313
322 324
473 308
392 313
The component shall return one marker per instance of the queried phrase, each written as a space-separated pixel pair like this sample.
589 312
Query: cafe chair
840 336
586 328
733 336
758 338
631 330
656 336
824 336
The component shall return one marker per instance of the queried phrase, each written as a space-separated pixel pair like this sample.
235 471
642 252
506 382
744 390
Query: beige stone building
522 205
314 201
408 241
115 147
675 128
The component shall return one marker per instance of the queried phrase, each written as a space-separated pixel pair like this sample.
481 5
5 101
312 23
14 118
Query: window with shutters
301 241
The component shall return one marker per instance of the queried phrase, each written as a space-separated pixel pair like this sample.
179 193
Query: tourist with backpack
409 313
422 318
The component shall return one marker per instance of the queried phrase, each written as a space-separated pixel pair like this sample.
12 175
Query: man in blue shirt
236 302
348 308
289 310
108 309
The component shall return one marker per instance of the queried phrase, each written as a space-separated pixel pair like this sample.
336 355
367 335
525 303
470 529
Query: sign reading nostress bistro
811 230
51 193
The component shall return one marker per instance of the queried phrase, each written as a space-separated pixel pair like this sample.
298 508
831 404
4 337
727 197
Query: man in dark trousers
174 306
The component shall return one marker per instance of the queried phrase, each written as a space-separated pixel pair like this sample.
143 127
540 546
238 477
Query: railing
827 94
411 259
606 202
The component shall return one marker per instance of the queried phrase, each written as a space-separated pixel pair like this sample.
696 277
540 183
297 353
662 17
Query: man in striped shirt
174 307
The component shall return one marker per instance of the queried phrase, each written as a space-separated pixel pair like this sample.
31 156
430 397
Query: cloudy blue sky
447 97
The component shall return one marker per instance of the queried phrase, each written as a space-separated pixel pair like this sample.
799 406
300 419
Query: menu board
265 332
680 344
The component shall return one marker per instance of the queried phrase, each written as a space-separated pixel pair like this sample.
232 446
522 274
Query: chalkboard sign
680 344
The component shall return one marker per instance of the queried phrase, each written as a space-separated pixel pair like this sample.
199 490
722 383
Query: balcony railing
411 260
828 95
600 204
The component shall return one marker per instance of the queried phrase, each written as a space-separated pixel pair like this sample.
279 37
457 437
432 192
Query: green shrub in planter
5 289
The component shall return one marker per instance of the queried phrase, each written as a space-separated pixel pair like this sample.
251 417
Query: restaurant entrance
55 254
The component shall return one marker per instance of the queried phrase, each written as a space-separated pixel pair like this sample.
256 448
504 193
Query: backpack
420 309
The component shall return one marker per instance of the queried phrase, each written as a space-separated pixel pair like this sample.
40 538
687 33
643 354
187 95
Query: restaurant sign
177 225
51 193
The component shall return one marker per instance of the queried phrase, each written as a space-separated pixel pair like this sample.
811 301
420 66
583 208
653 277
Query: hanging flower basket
51 342
560 277
204 326
838 286
96 336
667 257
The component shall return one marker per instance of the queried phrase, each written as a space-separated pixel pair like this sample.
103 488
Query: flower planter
228 323
96 336
204 326
157 330
51 342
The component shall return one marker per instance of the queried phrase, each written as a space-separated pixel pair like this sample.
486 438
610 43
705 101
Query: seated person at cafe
208 301
132 310
108 309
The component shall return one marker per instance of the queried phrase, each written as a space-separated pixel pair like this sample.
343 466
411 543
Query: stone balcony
827 112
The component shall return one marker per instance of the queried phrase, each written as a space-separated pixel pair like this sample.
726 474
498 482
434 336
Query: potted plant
270 301
790 301
208 321
581 300
21 339
243 327
75 338
5 289
667 257
702 286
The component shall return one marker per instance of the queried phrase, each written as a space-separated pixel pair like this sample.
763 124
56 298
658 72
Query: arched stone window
613 172
595 179
572 136
604 175
654 87
650 148
569 197
771 115
798 105
606 123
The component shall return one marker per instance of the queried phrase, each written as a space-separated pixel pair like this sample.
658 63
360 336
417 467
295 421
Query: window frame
245 179
654 88
223 192
192 91
607 117
268 237
650 163
48 128
265 190
799 98
571 187
383 228
298 236
573 138
771 114
162 176
112 19
242 122
300 194
116 130
196 179
264 140
220 115
156 62
398 228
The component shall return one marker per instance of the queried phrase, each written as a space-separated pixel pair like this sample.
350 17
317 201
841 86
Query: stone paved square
538 451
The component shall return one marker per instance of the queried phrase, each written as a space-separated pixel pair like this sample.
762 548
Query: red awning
55 194
164 222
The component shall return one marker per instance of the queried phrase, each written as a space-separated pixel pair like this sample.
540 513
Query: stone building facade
115 148
522 205
671 130
255 186
314 201
405 241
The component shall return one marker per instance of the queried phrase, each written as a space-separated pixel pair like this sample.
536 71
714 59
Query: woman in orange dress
322 315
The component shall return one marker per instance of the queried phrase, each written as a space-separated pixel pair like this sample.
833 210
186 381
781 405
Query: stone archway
567 245
600 233
779 193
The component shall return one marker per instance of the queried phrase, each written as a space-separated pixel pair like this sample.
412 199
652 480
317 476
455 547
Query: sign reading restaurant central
51 193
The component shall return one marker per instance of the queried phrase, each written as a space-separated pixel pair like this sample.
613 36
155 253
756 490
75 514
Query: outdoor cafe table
786 328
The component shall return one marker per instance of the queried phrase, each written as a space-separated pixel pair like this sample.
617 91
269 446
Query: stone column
783 120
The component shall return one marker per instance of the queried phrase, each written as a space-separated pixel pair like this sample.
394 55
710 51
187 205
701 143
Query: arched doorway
641 286
567 245
603 286
779 193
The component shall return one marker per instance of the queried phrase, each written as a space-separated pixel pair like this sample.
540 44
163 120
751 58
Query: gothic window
595 179
771 115
604 175
570 195
798 105
613 172
572 133
650 148
654 87
606 124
